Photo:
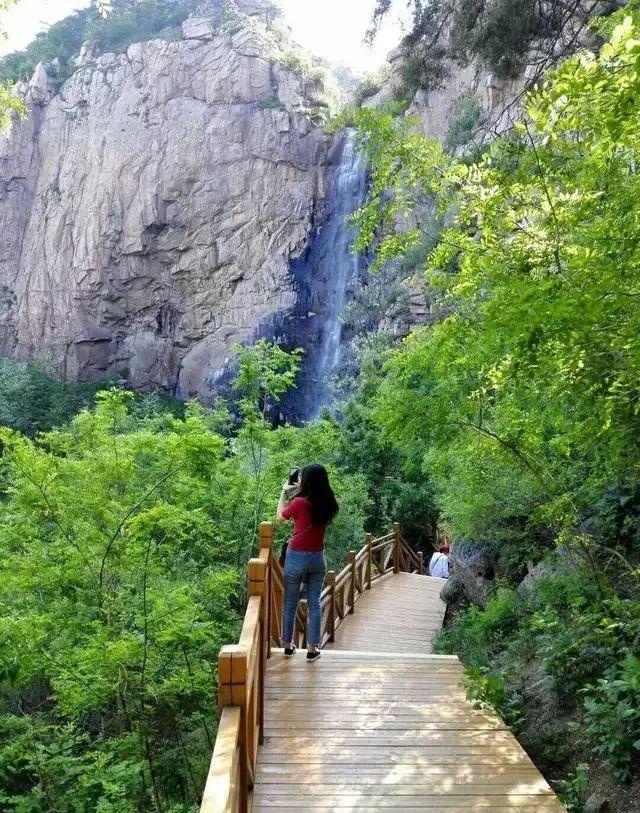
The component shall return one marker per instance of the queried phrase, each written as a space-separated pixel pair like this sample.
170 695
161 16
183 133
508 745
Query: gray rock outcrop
499 97
473 566
150 207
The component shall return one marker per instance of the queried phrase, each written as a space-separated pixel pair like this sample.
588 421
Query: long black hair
314 485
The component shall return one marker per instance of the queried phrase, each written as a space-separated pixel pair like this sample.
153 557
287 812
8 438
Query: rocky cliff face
150 209
498 96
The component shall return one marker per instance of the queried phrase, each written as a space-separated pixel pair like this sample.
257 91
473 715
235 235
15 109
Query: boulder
85 55
452 590
473 564
596 803
40 86
199 28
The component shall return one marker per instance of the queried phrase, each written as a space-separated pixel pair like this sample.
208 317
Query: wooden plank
454 804
399 738
417 774
221 791
403 784
429 756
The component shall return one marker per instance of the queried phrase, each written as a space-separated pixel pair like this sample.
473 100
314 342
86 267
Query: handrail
242 667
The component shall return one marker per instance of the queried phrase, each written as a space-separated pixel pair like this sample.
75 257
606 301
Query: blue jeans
308 569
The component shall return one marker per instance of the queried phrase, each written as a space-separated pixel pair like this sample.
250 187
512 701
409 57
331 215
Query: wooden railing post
420 562
351 558
330 579
232 691
396 548
369 542
258 585
266 541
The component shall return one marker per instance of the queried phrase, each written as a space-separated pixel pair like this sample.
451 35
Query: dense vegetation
124 539
521 403
9 104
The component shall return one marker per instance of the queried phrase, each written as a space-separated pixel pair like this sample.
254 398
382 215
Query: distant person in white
439 564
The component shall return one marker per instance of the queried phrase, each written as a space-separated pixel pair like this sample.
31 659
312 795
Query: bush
582 639
500 33
466 116
611 722
423 68
33 400
272 103
366 88
572 789
480 635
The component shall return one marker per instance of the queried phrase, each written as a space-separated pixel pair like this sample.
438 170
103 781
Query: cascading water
324 275
333 247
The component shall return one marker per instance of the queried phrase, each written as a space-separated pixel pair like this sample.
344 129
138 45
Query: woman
439 564
311 510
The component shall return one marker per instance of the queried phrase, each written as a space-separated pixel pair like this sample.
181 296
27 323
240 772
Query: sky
333 29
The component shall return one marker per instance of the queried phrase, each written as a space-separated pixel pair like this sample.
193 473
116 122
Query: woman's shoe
289 651
313 656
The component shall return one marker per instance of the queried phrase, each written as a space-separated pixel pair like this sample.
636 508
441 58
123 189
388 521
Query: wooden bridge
377 723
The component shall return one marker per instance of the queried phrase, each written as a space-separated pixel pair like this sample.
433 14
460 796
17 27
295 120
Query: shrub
272 103
33 400
501 32
366 88
466 116
579 642
572 789
611 723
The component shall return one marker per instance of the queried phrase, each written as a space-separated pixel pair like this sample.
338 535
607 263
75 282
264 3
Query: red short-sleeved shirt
306 536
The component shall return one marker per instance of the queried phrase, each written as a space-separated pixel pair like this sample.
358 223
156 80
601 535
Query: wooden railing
242 667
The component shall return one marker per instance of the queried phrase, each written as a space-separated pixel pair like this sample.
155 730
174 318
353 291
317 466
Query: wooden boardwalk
378 723
403 613
374 724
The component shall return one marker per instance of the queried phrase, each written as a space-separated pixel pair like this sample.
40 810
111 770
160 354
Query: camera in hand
293 477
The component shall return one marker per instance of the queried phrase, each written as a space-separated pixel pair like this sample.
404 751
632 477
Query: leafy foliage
612 716
500 35
10 105
582 645
32 400
572 789
524 413
124 538
465 119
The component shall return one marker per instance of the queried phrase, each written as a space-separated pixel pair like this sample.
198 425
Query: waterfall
334 248
324 276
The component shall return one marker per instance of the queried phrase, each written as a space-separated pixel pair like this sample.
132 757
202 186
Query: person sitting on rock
439 564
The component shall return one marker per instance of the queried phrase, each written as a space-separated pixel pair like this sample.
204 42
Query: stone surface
473 564
596 803
452 590
150 208
499 98
198 28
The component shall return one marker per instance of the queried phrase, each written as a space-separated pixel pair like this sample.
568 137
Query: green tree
523 398
9 102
